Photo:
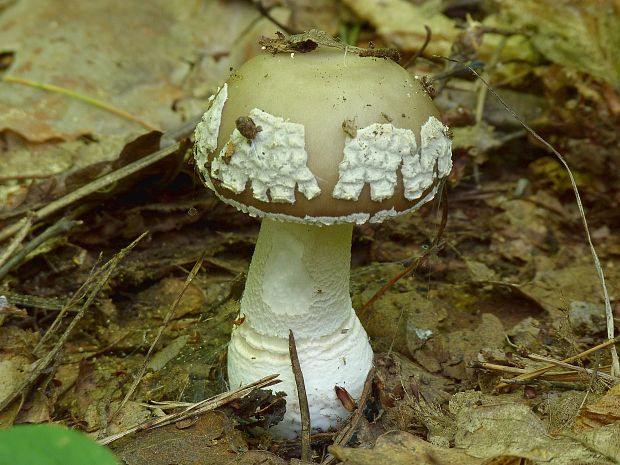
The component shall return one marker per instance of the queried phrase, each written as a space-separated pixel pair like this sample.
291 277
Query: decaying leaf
481 136
211 439
581 35
402 448
556 285
605 411
488 427
605 440
521 230
547 171
402 23
15 360
314 14
140 64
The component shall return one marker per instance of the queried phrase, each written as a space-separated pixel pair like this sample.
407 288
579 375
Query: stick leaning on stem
304 409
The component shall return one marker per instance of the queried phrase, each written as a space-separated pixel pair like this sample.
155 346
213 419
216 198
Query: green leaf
50 445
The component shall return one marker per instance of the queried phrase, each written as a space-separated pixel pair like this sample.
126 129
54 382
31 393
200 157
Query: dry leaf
582 35
212 439
488 426
402 24
402 448
605 411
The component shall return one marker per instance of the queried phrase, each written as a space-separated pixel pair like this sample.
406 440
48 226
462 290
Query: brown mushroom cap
322 90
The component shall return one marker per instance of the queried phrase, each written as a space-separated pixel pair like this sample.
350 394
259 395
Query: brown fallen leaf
402 448
604 411
402 23
488 427
508 460
140 64
578 35
15 359
605 440
211 439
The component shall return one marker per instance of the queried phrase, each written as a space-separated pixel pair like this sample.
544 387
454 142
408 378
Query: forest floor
118 290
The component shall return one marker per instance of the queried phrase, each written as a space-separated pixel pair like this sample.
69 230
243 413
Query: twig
76 298
266 14
589 371
91 188
540 371
409 269
81 97
310 40
420 51
178 133
162 327
554 376
615 361
96 283
546 383
195 409
24 226
62 225
44 303
346 432
495 367
306 451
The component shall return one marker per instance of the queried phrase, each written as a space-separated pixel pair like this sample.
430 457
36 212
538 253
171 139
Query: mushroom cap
333 137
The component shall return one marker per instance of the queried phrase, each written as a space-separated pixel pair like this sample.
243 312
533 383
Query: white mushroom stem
299 280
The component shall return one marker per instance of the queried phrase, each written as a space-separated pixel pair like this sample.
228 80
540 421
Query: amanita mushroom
313 143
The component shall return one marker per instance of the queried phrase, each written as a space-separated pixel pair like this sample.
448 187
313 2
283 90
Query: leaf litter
489 350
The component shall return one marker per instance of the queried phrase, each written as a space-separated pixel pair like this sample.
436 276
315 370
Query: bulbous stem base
299 280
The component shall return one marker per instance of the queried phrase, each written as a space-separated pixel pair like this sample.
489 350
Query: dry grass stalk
194 410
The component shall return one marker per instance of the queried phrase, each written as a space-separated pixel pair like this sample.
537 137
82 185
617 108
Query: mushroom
313 143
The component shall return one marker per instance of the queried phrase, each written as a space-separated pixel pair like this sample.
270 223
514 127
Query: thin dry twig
75 299
96 282
570 373
615 361
265 13
306 451
27 300
414 264
495 367
410 62
589 371
346 432
24 226
536 373
196 409
62 225
550 384
163 326
91 188
310 40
